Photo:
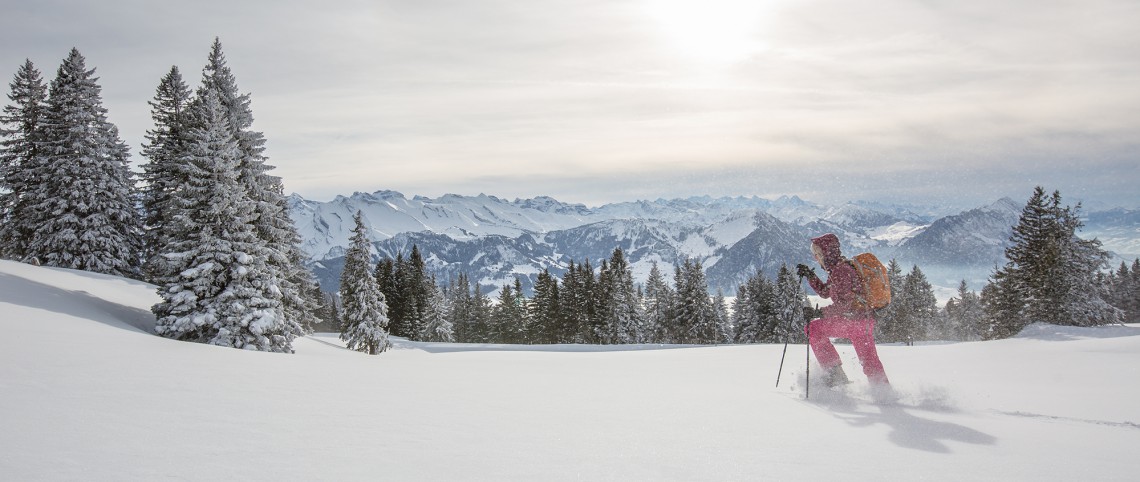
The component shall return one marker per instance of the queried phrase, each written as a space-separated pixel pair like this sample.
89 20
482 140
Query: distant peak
386 194
1004 204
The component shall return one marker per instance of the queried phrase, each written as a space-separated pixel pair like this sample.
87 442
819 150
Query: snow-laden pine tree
753 310
437 326
618 302
578 303
1051 275
271 217
546 309
918 307
480 315
1124 286
722 317
164 148
507 317
81 193
658 307
695 315
364 313
1085 298
460 315
219 290
964 314
788 300
889 326
20 138
417 286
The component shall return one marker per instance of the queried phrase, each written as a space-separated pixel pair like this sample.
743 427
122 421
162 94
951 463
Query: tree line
586 305
205 221
605 306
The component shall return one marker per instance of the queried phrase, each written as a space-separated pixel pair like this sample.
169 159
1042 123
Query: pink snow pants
862 335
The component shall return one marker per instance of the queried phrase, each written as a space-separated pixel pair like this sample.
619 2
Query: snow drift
88 393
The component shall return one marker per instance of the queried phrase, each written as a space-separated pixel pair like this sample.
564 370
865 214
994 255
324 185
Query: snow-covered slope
88 394
977 237
326 226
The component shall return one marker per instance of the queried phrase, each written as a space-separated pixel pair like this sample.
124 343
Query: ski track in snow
1067 419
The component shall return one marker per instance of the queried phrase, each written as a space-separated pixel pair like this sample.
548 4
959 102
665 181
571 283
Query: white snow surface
88 393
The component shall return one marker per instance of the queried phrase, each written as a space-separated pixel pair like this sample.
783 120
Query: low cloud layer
597 101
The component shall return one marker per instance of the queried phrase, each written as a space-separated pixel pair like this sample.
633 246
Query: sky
952 103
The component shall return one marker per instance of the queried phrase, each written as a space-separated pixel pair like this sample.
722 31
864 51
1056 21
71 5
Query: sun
710 30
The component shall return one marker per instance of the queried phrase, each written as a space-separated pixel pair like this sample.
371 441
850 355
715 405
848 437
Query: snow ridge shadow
79 304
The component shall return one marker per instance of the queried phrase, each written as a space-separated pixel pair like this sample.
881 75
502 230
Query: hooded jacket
842 279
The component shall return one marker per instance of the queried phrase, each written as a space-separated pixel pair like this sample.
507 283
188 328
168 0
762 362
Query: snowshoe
835 377
884 393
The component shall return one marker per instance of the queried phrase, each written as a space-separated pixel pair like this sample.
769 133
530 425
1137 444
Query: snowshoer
841 319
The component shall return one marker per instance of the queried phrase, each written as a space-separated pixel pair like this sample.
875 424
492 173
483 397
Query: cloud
596 102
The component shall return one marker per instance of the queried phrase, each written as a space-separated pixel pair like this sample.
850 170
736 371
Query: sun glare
710 30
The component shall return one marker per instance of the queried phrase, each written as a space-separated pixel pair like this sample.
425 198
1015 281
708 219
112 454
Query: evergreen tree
754 311
1133 287
1124 289
437 326
364 314
327 319
919 308
695 315
658 307
1000 302
400 307
165 146
271 217
617 304
21 136
461 315
1051 274
590 318
480 314
219 290
386 278
1085 296
577 296
964 314
509 316
548 325
889 323
788 300
81 192
724 331
416 285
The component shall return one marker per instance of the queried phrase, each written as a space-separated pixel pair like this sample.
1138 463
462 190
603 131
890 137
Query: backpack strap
860 284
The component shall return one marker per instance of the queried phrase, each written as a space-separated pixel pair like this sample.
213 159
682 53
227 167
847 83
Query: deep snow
87 393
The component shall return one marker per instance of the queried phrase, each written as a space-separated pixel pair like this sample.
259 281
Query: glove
804 271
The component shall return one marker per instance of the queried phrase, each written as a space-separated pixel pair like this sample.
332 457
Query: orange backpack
876 285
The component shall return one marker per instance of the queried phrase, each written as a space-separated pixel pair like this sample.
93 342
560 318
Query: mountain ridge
494 240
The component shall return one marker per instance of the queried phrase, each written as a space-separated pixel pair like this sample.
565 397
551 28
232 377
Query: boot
835 377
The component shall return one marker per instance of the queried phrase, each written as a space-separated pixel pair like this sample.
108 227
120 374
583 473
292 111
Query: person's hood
827 246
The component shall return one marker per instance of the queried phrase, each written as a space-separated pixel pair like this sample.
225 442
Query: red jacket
842 280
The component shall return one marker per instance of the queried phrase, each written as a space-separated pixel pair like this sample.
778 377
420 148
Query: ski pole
807 356
807 370
781 372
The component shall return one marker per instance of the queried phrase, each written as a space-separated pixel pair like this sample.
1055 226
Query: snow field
88 394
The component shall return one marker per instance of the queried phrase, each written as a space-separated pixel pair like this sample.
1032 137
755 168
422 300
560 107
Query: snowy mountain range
494 240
